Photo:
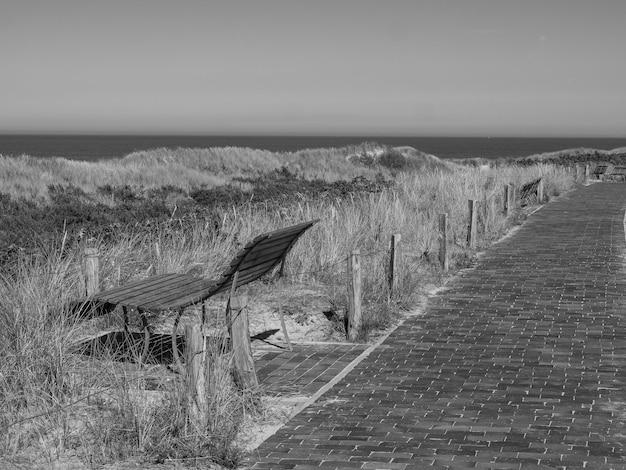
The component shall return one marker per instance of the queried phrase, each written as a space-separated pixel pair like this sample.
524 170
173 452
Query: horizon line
311 135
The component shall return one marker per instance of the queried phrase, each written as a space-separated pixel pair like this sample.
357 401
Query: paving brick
518 363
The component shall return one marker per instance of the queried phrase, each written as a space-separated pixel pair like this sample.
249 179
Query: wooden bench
176 292
618 173
529 190
601 170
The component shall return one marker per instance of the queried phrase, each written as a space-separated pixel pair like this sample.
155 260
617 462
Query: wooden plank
113 295
259 269
245 277
161 295
222 284
141 293
274 236
263 257
273 260
192 286
158 297
302 227
269 244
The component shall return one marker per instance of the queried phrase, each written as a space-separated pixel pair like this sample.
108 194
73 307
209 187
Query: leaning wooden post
353 318
540 191
92 270
471 226
283 326
195 363
393 276
443 241
245 373
505 198
509 198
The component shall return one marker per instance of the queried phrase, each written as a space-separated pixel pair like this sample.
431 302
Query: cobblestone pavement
519 364
306 369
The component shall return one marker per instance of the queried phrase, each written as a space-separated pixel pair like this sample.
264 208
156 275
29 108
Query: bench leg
125 310
146 337
175 355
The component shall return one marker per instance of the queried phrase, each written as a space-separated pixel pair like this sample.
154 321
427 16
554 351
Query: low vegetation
190 211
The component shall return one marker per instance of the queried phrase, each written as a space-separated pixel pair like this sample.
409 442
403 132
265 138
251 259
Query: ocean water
98 147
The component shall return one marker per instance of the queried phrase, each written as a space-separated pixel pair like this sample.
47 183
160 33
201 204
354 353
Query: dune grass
51 400
29 178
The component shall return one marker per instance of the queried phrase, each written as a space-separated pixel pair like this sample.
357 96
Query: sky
317 67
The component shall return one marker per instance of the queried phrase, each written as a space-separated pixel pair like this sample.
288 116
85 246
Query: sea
103 147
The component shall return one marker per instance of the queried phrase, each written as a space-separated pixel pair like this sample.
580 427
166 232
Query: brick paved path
520 364
306 369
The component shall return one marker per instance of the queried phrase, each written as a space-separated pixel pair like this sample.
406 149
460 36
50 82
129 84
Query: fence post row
353 318
471 226
395 254
443 241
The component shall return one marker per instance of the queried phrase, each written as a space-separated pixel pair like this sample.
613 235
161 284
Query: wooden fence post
471 226
443 241
283 326
92 270
505 198
485 207
587 174
540 191
395 256
245 373
509 198
195 363
353 319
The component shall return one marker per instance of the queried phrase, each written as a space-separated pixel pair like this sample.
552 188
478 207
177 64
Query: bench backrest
600 170
260 256
529 189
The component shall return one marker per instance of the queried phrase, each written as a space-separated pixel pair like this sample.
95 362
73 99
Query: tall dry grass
50 400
